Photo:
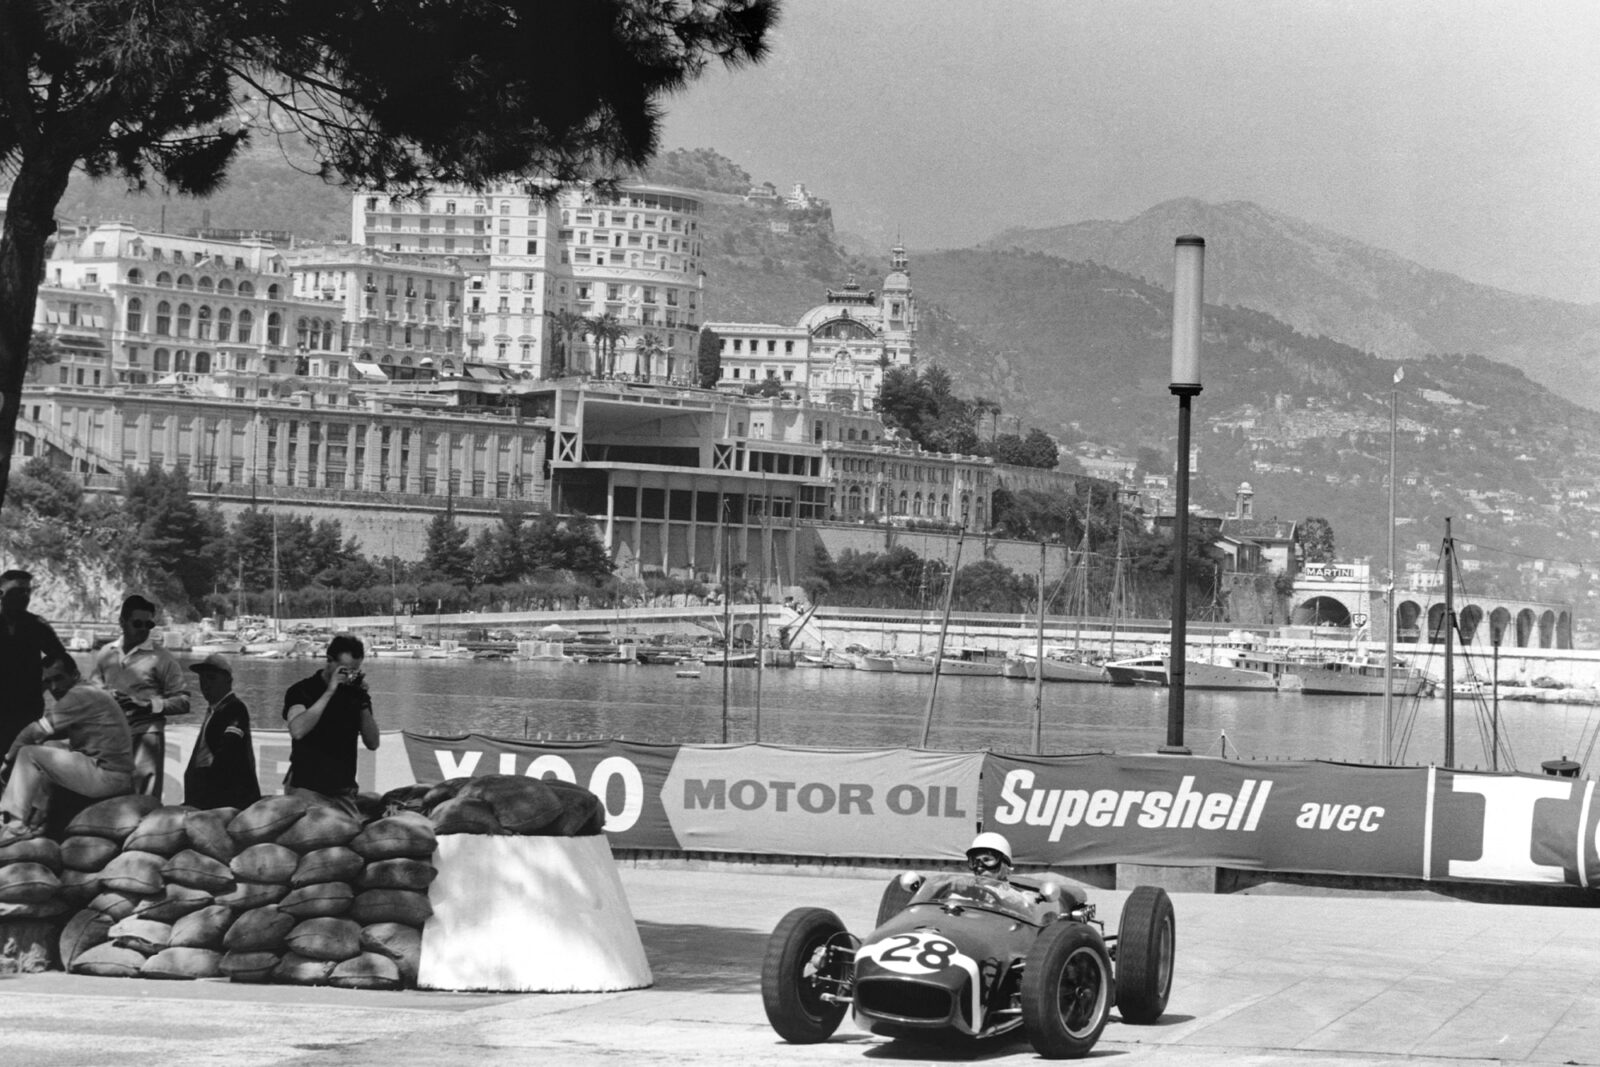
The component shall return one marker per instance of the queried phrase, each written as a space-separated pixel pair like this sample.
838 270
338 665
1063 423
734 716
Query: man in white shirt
148 684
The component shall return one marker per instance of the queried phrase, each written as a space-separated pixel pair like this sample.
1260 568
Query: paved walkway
1260 979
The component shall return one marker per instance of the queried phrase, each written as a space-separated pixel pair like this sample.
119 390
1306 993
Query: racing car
973 955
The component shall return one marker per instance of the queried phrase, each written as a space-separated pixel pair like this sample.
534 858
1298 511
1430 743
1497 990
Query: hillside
1322 283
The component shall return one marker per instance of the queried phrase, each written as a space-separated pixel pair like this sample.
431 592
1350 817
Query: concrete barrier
530 914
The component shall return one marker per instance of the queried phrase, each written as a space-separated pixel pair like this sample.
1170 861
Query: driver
989 856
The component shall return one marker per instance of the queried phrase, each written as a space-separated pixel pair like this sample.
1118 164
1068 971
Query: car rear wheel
895 899
796 973
1147 937
1066 991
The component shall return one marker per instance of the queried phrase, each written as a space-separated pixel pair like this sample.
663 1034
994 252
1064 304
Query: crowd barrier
1307 817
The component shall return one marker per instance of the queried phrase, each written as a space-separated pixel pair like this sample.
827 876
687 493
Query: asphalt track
1260 979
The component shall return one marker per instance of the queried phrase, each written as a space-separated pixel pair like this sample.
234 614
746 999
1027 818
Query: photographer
326 713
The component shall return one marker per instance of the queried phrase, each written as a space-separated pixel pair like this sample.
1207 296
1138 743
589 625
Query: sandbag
320 827
336 864
44 909
116 904
87 853
161 831
108 960
249 895
267 819
466 815
265 862
405 798
41 850
79 887
261 930
391 906
182 964
173 904
207 832
141 935
198 871
134 872
203 928
445 790
326 938
27 883
366 971
113 818
398 942
83 931
582 813
398 874
369 806
408 836
248 966
319 900
295 969
522 805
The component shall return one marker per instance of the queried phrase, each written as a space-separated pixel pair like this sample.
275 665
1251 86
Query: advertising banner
627 777
1180 811
890 804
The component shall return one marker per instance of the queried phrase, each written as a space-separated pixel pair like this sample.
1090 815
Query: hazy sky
1462 134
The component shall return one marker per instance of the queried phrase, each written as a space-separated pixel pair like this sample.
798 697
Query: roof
1260 529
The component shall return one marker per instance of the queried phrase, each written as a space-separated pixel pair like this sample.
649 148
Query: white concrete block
529 914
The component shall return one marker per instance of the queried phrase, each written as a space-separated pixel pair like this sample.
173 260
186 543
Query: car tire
791 987
1067 989
895 899
1147 936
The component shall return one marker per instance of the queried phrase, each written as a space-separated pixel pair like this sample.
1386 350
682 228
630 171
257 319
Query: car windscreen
989 894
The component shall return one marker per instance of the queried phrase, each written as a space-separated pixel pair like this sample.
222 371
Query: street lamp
1188 282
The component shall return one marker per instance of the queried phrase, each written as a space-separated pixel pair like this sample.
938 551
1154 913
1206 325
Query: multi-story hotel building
838 351
400 316
129 308
527 254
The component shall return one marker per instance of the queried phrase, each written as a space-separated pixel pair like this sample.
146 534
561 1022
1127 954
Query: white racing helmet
993 842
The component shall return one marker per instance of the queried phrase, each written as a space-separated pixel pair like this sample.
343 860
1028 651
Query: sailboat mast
1038 681
1449 648
944 627
1388 596
275 574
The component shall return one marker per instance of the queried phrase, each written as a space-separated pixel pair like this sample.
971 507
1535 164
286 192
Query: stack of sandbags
30 901
285 890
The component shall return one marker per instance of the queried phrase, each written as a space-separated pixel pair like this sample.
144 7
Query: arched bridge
1344 595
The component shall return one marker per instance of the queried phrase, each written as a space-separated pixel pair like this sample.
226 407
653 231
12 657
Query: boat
1224 668
686 674
657 656
972 663
1355 674
730 659
1065 665
214 644
878 662
913 664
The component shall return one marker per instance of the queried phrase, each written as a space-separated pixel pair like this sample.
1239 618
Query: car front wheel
1066 991
1146 944
797 972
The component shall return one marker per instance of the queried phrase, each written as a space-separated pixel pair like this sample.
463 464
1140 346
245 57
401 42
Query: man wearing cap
148 684
222 768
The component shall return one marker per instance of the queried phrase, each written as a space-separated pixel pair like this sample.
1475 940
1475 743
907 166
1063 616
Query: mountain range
1323 283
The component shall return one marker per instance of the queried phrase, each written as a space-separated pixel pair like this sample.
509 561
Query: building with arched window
838 351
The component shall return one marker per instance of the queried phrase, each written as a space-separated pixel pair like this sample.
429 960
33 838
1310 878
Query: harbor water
844 708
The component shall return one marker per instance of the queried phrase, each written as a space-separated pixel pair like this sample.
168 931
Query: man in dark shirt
26 641
222 767
326 713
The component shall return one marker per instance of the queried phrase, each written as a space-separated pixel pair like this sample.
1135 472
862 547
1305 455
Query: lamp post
1188 282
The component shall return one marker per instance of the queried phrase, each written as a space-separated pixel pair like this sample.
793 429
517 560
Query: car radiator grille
900 999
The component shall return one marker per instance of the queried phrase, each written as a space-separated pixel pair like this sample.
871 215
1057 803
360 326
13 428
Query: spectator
326 713
222 768
149 686
26 642
82 744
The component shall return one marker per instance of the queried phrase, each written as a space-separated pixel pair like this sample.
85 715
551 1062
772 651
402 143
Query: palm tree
646 350
606 330
566 324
